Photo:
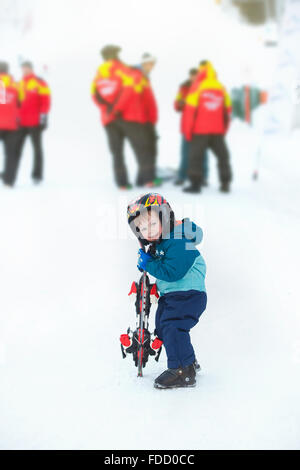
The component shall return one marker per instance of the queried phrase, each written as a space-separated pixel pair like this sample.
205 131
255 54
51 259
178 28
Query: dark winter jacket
177 264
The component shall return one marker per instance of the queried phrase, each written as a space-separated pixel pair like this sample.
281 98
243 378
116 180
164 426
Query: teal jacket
177 264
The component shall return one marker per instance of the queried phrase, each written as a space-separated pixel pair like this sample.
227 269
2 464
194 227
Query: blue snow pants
176 314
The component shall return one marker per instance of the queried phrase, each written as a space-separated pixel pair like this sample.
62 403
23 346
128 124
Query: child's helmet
149 202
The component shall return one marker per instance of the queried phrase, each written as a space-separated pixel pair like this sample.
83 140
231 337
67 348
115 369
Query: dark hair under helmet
151 202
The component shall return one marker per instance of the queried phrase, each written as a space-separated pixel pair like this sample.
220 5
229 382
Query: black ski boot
176 378
196 365
193 189
225 188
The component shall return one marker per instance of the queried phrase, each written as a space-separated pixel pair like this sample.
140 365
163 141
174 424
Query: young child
173 259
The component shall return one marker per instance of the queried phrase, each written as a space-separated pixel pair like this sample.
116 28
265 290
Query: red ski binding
139 343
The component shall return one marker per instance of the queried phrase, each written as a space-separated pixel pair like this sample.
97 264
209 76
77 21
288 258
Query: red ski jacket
111 89
35 100
179 102
149 102
107 87
138 104
119 90
181 95
9 102
208 105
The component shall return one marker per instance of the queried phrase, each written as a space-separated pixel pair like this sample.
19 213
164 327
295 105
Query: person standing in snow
206 120
185 145
118 91
9 112
180 270
35 99
150 118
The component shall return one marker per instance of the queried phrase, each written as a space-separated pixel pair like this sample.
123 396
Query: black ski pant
153 138
9 139
198 146
35 134
138 137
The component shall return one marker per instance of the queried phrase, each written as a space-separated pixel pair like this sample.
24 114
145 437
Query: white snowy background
68 260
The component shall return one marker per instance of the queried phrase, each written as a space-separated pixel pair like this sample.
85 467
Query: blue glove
143 259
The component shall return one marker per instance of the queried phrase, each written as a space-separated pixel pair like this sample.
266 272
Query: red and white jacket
208 105
119 90
35 98
179 102
9 102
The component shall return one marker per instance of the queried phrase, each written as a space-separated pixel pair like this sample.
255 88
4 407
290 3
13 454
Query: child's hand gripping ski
142 259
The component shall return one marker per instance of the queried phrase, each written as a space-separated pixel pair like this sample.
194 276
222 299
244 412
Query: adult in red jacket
111 83
147 117
117 90
179 105
35 99
8 121
205 122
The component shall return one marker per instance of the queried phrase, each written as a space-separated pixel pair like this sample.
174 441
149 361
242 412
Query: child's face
149 225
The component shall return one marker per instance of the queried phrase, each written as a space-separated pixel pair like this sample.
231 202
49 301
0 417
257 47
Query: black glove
112 113
43 121
99 98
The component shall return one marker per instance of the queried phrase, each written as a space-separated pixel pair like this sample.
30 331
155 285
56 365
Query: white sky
179 33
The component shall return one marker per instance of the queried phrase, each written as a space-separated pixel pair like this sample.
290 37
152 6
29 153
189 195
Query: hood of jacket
187 229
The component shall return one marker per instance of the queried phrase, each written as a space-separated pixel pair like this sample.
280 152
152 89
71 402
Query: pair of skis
139 342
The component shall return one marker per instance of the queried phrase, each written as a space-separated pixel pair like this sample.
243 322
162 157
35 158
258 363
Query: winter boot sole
165 387
161 387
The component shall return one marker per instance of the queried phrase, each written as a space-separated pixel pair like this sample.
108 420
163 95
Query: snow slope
67 262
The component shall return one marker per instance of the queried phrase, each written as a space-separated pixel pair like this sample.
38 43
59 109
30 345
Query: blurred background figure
8 120
184 149
206 120
128 111
245 100
150 114
35 101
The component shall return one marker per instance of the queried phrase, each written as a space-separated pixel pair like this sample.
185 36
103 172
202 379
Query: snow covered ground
68 260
